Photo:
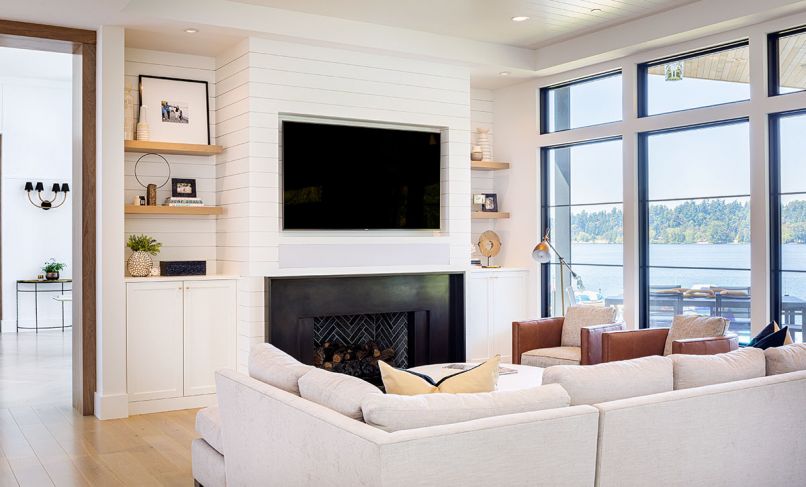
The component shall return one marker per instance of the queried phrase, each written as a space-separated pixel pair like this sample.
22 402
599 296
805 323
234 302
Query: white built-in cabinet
178 333
496 298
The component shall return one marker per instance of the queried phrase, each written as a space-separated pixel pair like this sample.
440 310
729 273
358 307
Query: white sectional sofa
733 432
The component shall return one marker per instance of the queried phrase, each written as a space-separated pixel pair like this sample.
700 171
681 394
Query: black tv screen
339 177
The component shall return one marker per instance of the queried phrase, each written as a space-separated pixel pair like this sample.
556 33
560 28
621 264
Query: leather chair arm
591 341
629 344
529 335
706 346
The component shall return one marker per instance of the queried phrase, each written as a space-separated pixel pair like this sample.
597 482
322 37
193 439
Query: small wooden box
183 268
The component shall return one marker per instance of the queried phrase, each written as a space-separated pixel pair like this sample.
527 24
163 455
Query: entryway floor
36 368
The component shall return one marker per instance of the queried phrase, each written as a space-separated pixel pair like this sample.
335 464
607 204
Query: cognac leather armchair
629 344
541 341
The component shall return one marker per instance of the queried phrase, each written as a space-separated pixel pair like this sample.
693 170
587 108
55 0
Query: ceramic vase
143 132
139 264
476 153
128 113
483 141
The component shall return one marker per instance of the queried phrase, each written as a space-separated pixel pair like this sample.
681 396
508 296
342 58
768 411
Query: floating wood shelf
488 165
489 215
171 148
173 210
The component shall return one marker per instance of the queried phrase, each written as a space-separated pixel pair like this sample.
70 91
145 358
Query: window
694 191
581 103
582 205
787 58
788 220
705 78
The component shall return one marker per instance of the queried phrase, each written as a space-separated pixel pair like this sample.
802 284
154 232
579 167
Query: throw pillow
391 412
693 326
702 370
774 339
765 332
785 359
577 317
593 384
788 338
271 365
481 378
339 392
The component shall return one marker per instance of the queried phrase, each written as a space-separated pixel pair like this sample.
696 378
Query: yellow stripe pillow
481 378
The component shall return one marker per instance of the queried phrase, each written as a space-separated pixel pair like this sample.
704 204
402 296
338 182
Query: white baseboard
172 404
113 406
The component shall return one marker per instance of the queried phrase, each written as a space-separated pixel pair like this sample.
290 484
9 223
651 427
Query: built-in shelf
171 148
173 210
489 215
488 165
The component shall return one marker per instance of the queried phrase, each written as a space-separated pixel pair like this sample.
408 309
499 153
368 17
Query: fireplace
347 323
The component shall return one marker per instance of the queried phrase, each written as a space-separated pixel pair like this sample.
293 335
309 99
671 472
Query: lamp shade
65 188
29 186
55 188
40 186
542 252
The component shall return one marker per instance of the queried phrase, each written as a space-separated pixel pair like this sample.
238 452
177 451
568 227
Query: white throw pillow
693 326
785 359
271 365
592 384
339 392
577 317
391 412
703 370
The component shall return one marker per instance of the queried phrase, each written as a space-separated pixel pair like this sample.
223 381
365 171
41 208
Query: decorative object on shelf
143 247
52 268
155 271
183 268
483 141
184 115
476 154
43 203
128 112
478 201
674 71
184 202
151 189
490 202
183 188
542 254
143 130
489 246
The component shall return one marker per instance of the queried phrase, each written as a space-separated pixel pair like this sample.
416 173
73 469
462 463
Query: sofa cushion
702 370
577 317
391 412
271 365
339 392
785 359
546 357
693 326
481 378
208 464
592 384
208 426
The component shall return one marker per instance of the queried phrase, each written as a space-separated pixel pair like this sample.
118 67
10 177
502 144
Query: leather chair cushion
692 326
546 357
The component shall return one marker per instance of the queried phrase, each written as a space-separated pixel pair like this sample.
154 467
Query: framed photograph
183 188
490 202
176 109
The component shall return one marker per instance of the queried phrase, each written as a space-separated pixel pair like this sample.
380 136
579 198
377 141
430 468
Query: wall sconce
43 203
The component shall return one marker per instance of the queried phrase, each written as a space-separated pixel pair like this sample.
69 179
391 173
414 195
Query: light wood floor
43 442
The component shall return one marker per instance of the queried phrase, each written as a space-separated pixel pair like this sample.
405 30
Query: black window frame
544 100
643 79
643 210
545 208
773 60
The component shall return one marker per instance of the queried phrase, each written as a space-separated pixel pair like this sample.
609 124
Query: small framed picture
183 188
478 199
176 109
490 202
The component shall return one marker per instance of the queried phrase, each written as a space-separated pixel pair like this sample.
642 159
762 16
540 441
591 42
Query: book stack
180 201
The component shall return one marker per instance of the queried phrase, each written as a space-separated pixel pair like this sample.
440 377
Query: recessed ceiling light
191 30
520 18
596 10
503 73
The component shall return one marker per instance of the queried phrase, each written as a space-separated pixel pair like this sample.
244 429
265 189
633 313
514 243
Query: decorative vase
476 153
143 131
483 141
140 264
128 112
52 276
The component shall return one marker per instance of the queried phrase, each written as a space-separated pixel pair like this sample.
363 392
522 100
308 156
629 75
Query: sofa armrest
591 342
629 344
530 335
706 346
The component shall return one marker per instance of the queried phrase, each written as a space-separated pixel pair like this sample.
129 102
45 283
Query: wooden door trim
24 35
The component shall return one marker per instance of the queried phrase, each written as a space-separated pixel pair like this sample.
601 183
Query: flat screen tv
343 177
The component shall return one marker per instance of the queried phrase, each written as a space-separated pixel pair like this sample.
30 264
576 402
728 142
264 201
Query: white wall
481 116
37 136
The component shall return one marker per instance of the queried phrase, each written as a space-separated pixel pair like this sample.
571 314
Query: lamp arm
32 201
63 200
567 266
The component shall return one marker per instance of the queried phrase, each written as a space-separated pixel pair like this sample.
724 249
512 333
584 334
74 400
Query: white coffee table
525 377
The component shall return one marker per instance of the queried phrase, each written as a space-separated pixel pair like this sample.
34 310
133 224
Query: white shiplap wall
258 81
182 238
481 116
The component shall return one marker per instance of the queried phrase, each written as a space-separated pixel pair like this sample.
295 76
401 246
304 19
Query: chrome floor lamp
542 254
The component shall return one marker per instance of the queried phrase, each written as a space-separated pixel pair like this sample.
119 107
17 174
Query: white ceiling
485 20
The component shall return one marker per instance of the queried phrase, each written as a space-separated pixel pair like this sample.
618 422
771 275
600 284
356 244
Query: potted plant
52 268
143 247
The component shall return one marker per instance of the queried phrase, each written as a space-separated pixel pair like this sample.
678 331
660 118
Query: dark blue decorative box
183 268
